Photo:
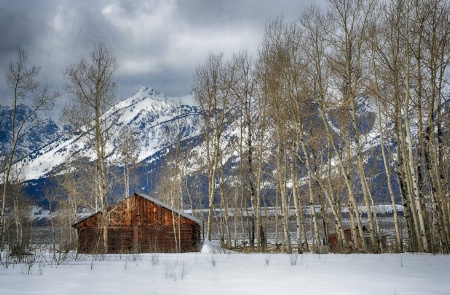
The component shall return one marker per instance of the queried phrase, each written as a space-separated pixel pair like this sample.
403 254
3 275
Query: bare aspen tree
276 58
128 150
317 75
174 175
92 87
19 213
192 186
245 92
206 86
62 217
67 208
432 65
414 176
300 120
241 193
23 80
383 122
393 60
351 20
170 191
212 90
79 188
301 146
263 137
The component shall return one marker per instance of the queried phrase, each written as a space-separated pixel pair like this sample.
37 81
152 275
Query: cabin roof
162 204
153 200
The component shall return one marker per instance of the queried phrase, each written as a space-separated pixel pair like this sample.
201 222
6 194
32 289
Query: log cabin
139 224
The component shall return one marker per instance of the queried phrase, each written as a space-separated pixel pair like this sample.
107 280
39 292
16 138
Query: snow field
233 273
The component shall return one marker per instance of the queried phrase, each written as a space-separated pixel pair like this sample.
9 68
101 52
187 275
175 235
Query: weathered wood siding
138 225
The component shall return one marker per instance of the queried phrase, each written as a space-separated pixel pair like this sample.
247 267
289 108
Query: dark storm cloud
158 43
19 29
14 30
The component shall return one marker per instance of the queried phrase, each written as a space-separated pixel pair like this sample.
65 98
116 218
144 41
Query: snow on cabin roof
153 200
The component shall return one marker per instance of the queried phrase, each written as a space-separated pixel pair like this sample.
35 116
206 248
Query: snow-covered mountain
154 121
44 131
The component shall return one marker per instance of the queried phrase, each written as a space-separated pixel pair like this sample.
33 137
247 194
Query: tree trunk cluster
306 108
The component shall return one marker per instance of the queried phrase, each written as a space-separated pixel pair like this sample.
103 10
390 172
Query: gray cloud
158 43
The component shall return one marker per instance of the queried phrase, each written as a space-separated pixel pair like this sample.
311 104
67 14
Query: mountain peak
145 90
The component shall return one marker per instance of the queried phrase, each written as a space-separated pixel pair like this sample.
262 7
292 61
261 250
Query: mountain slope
154 121
43 131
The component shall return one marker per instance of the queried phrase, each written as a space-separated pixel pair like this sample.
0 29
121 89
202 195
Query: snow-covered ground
232 273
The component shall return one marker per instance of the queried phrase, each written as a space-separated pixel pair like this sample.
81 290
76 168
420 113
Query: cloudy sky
158 43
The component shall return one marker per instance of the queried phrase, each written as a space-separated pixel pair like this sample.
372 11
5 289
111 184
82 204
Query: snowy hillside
45 131
154 121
